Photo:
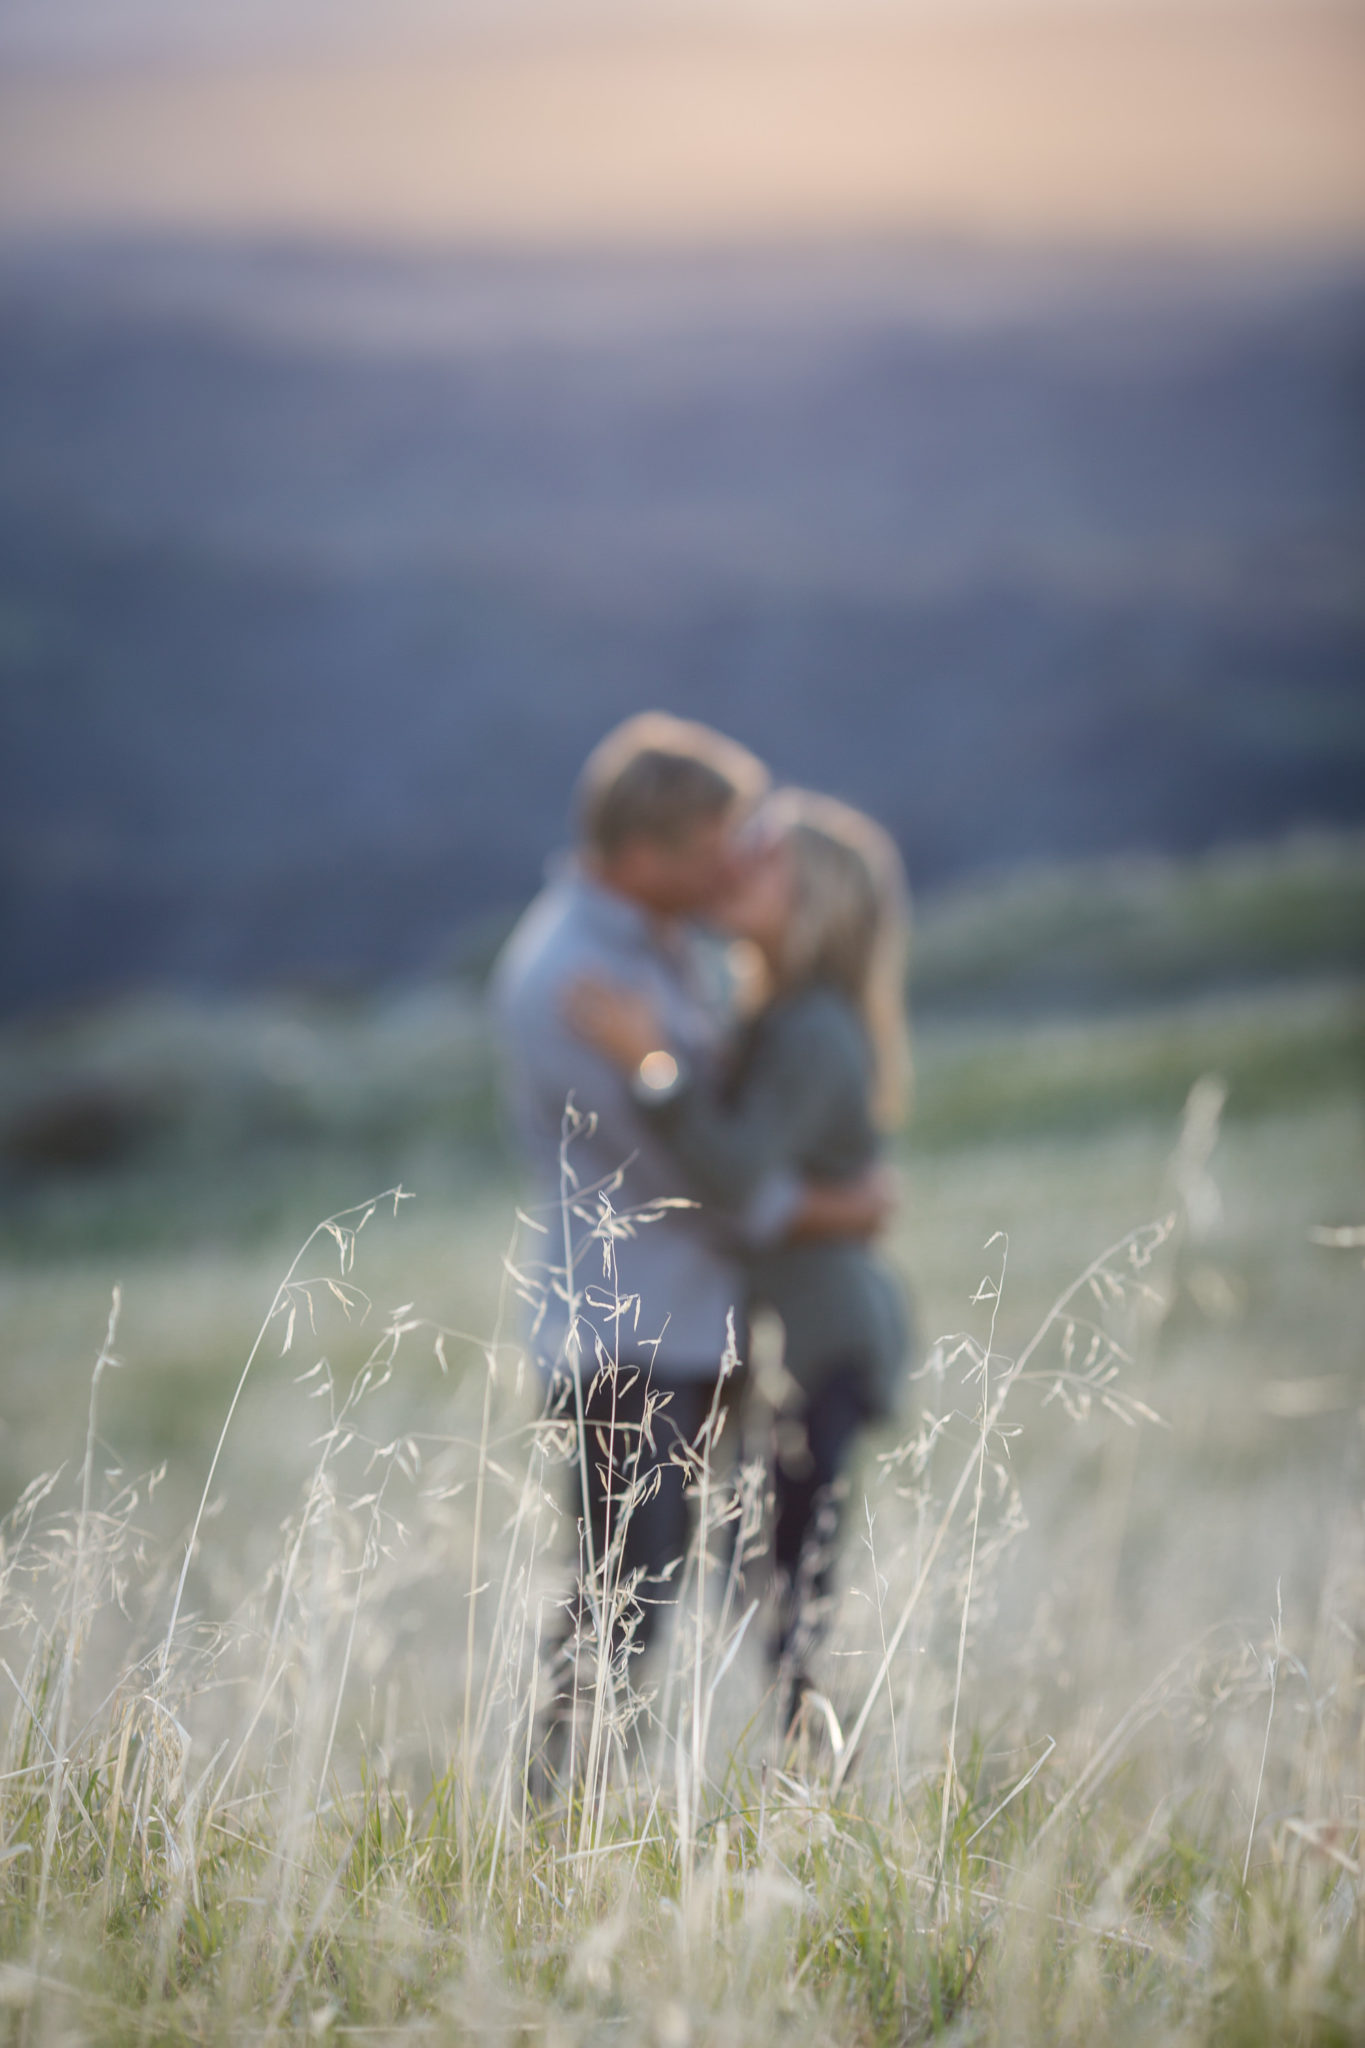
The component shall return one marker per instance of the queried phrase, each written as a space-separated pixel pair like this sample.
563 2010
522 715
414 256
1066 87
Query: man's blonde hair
656 777
850 927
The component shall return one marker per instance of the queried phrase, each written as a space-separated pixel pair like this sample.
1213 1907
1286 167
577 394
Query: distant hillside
319 574
1057 1000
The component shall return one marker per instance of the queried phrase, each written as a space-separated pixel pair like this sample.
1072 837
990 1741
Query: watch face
658 1071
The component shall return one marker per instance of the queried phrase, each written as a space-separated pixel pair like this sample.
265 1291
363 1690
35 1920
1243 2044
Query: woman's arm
728 1149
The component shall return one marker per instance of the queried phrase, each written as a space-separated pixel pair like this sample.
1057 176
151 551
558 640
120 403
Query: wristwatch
659 1077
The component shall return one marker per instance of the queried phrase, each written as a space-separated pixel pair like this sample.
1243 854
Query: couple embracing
766 1115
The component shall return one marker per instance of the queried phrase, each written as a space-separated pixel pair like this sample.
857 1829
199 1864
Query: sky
93 29
1224 122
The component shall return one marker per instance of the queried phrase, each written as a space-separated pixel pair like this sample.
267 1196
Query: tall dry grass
321 1802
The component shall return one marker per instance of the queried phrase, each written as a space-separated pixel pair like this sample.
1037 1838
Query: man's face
688 877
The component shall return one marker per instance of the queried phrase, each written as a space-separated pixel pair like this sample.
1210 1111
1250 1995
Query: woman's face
759 906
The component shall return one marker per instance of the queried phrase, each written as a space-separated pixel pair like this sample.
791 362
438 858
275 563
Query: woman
817 1075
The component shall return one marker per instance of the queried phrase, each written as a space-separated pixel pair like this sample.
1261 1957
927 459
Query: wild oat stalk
989 1290
345 1233
74 1625
1138 1246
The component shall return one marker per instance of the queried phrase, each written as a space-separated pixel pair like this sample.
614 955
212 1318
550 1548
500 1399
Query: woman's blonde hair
850 927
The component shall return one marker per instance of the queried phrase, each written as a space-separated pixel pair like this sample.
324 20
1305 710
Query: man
660 808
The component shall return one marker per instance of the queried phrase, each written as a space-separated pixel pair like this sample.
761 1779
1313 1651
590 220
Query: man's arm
738 1152
543 1065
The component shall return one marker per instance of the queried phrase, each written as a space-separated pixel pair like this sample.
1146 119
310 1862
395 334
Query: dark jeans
656 1533
809 1491
809 1495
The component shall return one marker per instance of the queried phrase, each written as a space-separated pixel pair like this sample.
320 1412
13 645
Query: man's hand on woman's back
858 1208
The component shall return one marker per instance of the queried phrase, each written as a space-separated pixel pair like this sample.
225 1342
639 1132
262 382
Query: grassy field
1093 1754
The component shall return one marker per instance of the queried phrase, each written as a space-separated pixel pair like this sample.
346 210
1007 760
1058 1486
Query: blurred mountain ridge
319 573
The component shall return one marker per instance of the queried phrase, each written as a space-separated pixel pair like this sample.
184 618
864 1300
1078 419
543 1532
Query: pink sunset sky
1223 122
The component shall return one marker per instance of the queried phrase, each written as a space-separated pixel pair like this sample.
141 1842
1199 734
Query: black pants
809 1491
656 1532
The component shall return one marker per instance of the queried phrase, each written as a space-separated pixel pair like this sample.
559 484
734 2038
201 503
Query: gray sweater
798 1100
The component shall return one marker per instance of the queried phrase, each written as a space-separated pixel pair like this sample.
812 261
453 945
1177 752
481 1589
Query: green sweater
799 1098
